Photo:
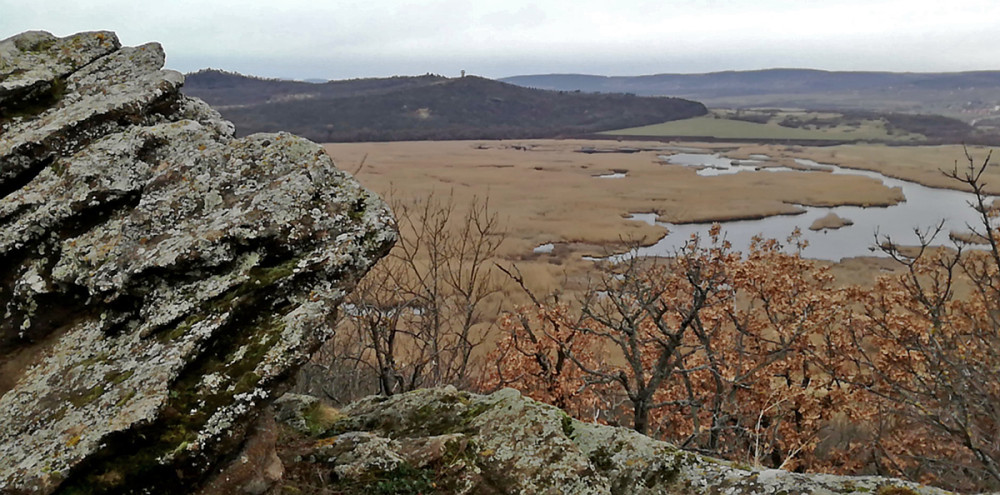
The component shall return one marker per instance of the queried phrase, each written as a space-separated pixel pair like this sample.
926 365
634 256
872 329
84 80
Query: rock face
159 279
445 441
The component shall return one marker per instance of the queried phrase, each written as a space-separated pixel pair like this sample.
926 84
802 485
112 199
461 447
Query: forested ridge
423 107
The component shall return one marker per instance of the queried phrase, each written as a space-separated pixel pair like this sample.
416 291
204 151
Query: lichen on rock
451 442
160 280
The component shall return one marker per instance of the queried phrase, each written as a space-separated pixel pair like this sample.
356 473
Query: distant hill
228 89
967 95
423 107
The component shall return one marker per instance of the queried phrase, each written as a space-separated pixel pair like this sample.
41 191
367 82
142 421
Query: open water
923 209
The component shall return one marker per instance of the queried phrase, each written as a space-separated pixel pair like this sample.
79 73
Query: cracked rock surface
160 280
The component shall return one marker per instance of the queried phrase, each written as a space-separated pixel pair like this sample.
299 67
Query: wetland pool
924 208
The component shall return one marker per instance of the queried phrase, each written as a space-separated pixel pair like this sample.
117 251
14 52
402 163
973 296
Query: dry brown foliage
761 358
711 350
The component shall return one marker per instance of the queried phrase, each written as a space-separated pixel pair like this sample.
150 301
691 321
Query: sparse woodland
420 317
757 357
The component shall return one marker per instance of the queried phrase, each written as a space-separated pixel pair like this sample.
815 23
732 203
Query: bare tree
418 318
645 314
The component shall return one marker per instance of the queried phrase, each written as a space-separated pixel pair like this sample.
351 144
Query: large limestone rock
446 441
159 279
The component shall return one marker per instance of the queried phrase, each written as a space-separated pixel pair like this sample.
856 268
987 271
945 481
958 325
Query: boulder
447 441
160 280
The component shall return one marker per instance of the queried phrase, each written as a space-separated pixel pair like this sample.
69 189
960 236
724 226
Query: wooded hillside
424 107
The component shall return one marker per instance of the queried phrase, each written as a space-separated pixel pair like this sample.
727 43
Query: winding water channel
924 208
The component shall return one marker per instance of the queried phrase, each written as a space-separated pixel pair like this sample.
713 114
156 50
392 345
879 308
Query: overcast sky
496 38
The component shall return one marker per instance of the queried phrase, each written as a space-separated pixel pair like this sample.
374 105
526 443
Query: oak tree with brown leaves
759 357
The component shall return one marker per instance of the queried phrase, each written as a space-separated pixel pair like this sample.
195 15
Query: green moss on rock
86 397
510 444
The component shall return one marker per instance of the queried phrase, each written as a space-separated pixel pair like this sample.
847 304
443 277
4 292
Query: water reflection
709 165
613 175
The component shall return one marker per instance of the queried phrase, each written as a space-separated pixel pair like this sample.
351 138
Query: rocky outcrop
446 441
159 279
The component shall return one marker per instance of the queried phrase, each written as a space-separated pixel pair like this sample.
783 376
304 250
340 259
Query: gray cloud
338 39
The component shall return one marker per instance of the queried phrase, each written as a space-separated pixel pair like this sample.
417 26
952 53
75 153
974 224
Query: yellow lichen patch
325 442
75 439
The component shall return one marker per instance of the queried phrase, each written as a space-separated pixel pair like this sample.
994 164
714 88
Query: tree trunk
640 411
